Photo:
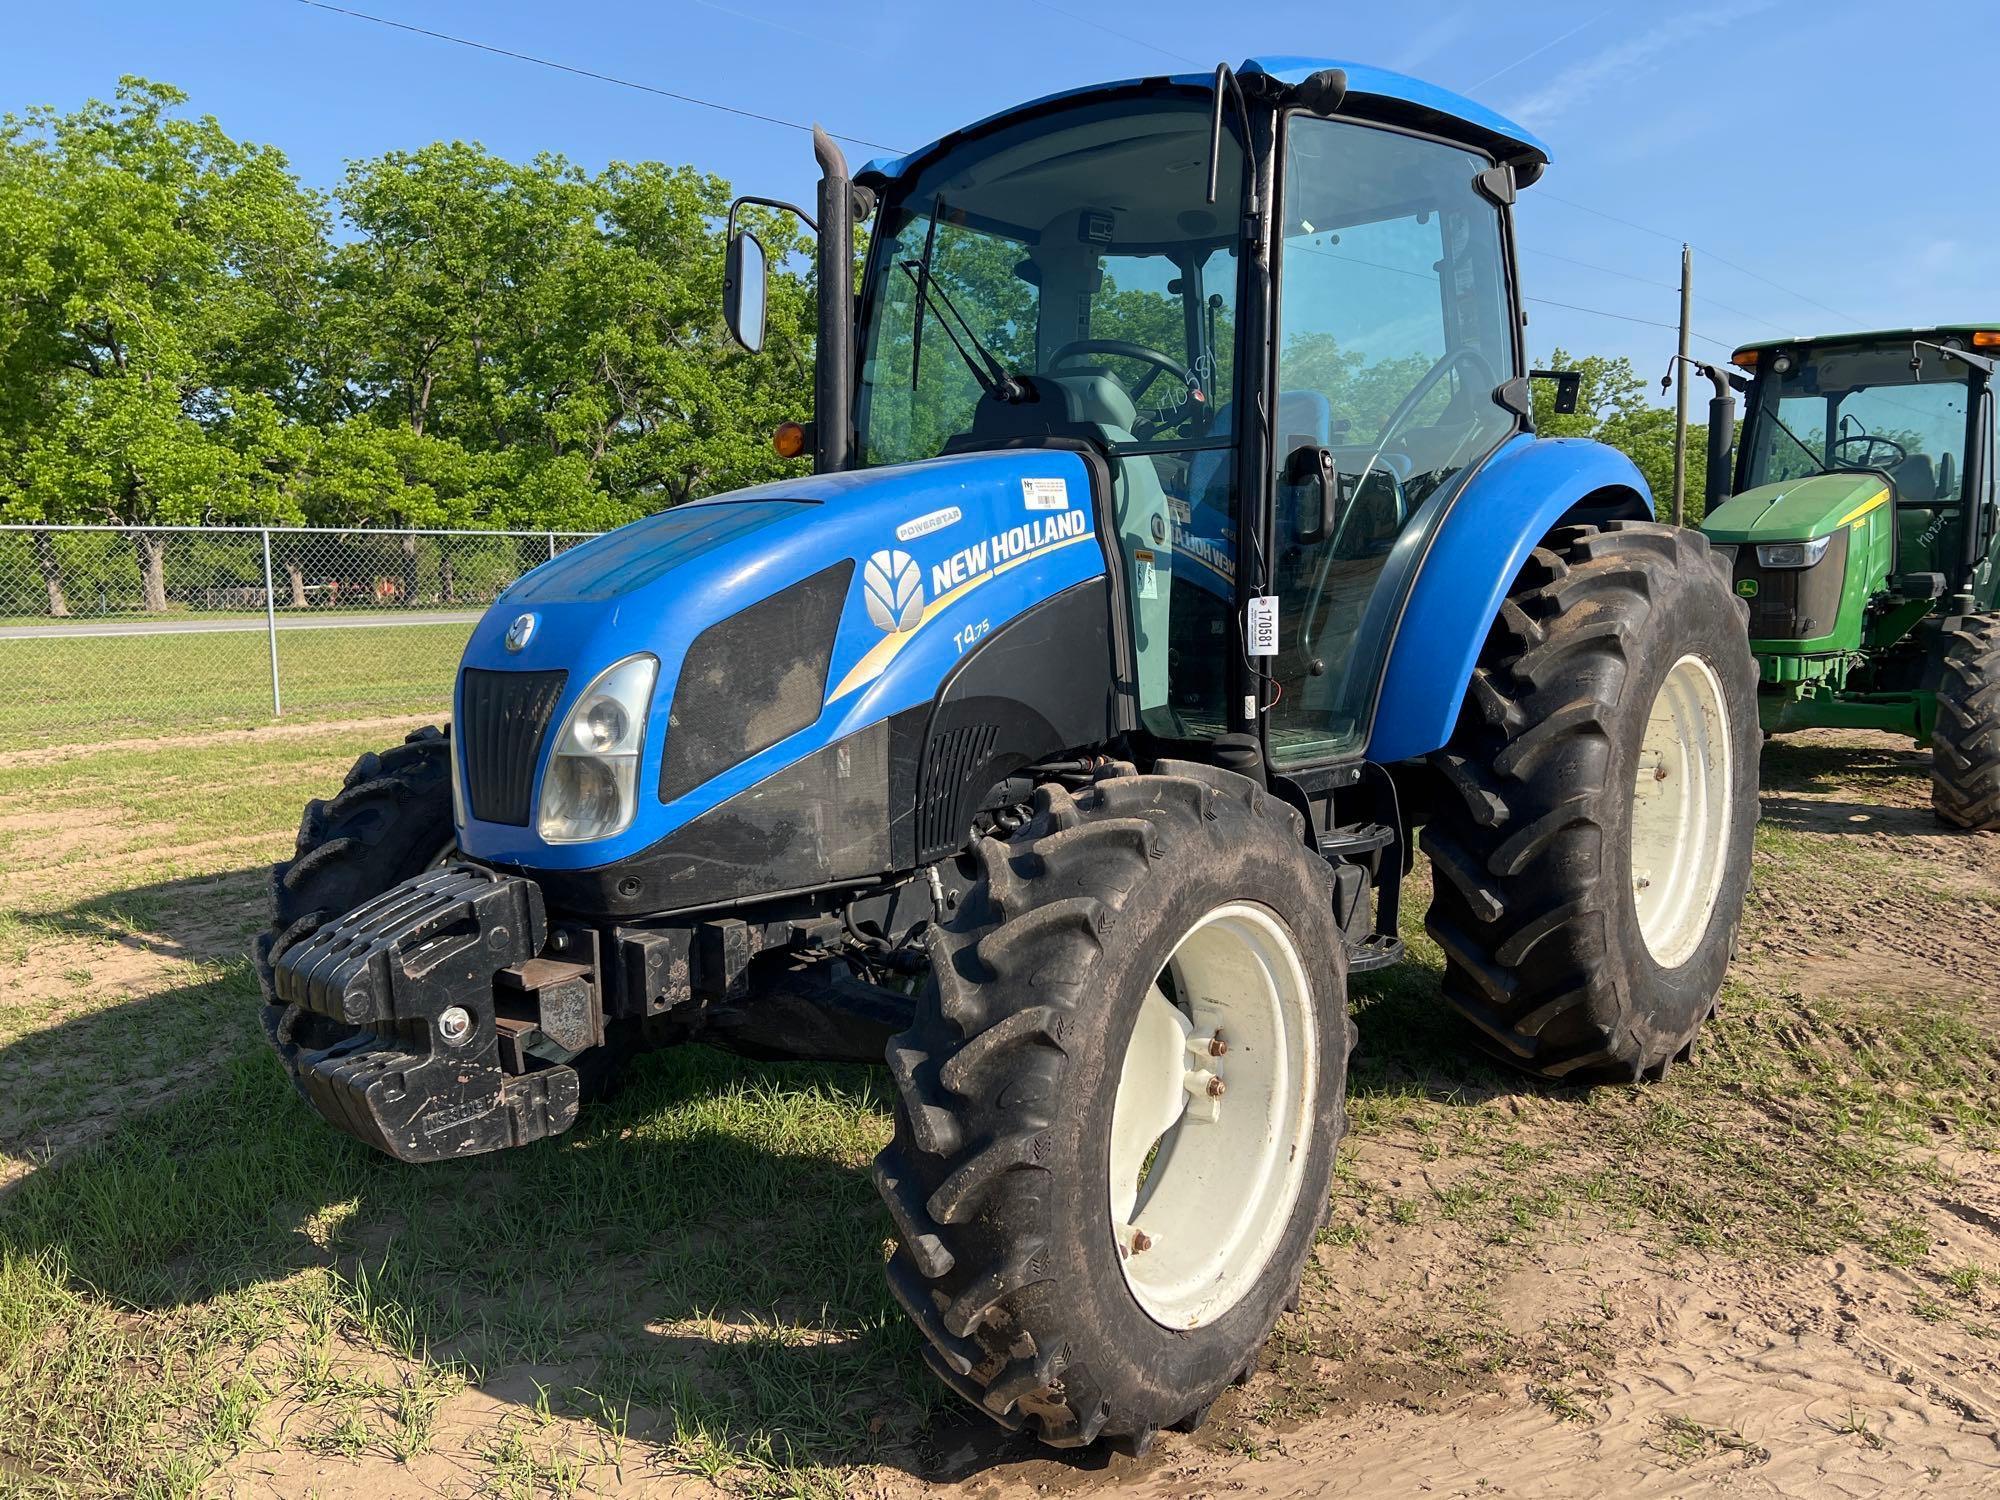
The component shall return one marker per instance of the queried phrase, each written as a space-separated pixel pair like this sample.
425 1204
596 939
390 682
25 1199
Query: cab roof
1876 336
1372 93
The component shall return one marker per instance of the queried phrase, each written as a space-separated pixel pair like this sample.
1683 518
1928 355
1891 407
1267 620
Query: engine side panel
1033 689
1528 488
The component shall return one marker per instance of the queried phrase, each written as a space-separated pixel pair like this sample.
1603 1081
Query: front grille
1792 604
502 718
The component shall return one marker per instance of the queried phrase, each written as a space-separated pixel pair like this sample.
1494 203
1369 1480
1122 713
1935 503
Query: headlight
1792 554
591 787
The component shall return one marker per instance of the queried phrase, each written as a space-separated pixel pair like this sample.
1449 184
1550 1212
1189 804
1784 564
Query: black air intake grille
753 679
949 763
502 718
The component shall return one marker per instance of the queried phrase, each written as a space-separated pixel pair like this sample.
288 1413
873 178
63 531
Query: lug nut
1217 1046
455 1024
1216 1088
1141 1241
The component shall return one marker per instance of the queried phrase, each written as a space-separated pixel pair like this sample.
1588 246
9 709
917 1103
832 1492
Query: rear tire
1965 741
1591 866
1015 1082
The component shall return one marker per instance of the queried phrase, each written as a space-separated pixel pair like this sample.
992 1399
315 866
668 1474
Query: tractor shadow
1845 783
695 1267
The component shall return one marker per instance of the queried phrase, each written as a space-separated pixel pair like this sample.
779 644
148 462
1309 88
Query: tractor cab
1303 360
1863 516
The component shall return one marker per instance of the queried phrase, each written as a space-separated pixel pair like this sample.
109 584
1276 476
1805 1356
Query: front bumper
387 1017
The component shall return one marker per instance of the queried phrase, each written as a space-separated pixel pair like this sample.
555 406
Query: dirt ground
1776 1275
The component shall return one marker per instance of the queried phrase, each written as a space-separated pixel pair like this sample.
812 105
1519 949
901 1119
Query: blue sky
1834 148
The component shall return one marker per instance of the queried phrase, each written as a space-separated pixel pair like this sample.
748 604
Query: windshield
1078 248
1863 409
1047 246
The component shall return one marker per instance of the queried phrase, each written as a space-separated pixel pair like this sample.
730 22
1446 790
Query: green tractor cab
1863 527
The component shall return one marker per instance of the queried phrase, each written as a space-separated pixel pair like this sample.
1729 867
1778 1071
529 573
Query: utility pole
1681 391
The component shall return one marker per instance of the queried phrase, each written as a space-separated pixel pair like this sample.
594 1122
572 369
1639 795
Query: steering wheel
1465 354
1126 349
1868 443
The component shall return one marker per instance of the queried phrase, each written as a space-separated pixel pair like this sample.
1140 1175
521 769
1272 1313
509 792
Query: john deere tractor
1865 544
1177 545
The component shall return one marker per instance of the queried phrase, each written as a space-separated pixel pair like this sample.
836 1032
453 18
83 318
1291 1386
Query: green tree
1612 407
566 321
155 278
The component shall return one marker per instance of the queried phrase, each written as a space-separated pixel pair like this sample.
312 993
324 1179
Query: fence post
271 625
552 546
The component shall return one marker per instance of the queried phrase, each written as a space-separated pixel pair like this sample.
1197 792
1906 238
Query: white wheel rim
1681 808
1195 1231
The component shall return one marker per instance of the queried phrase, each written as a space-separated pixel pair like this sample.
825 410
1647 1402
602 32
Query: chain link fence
112 632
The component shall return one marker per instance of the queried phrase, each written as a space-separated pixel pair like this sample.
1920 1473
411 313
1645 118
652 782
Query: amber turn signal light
1986 338
1744 359
789 440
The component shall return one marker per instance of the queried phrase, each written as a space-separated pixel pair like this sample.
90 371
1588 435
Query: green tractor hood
1797 510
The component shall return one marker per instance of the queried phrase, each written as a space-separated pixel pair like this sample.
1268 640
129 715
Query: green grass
698 1263
104 687
689 1283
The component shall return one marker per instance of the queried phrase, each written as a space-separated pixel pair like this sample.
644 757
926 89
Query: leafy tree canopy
189 335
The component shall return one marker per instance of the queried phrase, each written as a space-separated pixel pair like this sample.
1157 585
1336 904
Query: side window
1395 328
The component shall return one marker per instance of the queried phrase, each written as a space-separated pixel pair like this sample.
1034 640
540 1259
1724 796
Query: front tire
391 820
1087 1253
1965 741
1591 860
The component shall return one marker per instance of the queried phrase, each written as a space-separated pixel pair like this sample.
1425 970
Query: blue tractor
1177 547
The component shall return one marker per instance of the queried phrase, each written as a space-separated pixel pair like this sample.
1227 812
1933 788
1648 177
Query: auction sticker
1045 494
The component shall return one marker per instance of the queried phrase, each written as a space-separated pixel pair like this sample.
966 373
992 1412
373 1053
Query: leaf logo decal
893 586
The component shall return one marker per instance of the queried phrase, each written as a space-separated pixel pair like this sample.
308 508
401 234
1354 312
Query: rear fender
1525 491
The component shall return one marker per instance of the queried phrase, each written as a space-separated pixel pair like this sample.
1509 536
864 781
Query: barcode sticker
1045 494
1263 625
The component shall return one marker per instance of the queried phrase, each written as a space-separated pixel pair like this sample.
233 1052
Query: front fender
1526 490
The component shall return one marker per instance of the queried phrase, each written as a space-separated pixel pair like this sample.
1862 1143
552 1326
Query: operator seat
1915 480
1913 483
1305 420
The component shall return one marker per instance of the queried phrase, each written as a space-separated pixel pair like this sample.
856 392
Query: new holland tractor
1176 546
1863 527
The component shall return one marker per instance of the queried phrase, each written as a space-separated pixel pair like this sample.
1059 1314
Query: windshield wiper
1797 440
1965 357
989 372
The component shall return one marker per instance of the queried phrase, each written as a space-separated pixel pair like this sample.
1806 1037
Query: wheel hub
1681 809
1213 1116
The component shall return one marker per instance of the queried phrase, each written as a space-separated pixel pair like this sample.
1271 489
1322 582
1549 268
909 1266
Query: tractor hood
1796 510
783 619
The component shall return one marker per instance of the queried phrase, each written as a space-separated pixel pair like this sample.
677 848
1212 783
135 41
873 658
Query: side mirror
1568 384
745 279
1314 468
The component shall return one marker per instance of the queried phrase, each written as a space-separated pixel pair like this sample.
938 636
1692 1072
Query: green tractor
1866 549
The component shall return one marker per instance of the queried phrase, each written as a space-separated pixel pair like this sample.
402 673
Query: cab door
1395 330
